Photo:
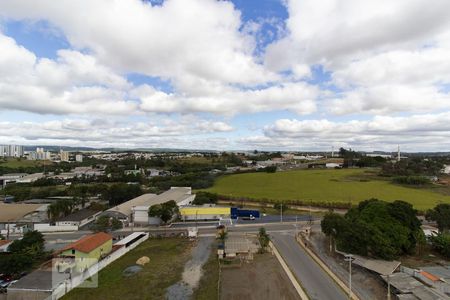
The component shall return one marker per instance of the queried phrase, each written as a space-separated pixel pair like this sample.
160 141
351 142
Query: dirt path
192 271
261 279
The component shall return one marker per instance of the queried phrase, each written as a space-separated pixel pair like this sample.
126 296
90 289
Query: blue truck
249 214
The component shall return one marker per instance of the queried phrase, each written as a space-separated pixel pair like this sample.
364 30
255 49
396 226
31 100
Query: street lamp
281 213
349 258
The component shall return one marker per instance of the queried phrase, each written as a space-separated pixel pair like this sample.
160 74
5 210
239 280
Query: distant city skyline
298 75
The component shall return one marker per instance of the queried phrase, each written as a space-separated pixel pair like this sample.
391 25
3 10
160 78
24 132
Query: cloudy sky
240 74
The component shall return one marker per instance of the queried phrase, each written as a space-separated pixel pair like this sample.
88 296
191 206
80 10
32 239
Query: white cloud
296 97
416 132
199 38
103 132
73 83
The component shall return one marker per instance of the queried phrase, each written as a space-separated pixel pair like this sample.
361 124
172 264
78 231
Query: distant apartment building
64 155
39 154
11 151
79 158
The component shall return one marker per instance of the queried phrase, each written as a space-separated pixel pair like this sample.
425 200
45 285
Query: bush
205 198
411 180
441 243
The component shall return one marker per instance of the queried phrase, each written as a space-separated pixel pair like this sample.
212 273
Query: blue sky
294 75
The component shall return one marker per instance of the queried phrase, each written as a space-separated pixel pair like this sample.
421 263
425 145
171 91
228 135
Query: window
73 251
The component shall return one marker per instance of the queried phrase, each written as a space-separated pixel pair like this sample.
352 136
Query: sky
293 75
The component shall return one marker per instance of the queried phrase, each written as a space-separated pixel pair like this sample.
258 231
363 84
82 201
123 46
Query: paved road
316 282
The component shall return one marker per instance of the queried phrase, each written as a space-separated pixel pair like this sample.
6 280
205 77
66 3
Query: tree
31 244
263 239
164 211
441 215
106 224
60 208
1 237
15 264
441 243
222 236
205 198
375 228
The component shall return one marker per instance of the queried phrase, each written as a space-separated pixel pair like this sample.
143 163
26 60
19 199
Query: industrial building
212 212
135 211
78 218
192 213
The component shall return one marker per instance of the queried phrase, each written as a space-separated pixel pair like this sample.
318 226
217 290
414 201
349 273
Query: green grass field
323 186
167 259
16 163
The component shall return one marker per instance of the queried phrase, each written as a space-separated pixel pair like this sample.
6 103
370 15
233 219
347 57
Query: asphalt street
317 284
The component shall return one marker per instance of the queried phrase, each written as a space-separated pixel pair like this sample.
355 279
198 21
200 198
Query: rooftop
4 242
89 242
79 215
177 194
42 280
15 212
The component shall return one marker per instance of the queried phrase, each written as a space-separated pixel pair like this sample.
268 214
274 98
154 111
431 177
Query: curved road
317 284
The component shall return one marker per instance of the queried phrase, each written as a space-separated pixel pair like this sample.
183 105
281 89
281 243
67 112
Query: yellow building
88 250
189 213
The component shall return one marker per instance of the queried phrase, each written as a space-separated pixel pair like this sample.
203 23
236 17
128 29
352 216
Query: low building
15 218
30 178
181 195
88 250
79 158
333 165
191 213
135 211
78 218
88 172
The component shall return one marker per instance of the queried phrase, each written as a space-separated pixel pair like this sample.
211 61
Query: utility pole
349 258
389 288
281 213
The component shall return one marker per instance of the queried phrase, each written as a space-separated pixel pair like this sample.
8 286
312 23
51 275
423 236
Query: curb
291 276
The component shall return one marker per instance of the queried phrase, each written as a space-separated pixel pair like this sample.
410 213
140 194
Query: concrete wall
49 228
65 287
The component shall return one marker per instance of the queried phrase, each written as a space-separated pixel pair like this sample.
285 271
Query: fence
76 281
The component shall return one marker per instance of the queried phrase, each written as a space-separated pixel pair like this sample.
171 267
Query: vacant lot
324 186
167 259
262 278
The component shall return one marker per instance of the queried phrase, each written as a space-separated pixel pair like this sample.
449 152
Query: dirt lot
261 279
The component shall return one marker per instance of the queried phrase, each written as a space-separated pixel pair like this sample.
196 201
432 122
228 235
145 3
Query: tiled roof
4 242
429 276
89 243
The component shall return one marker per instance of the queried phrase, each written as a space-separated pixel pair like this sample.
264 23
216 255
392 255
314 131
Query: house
78 218
88 250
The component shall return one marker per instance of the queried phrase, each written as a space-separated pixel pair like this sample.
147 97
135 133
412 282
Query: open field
346 185
262 278
14 163
167 259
